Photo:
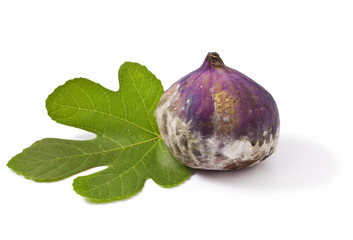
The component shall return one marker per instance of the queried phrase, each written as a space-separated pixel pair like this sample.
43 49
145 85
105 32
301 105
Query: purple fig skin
216 118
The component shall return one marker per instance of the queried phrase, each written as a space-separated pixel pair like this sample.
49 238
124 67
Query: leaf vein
110 115
143 102
124 172
84 91
97 153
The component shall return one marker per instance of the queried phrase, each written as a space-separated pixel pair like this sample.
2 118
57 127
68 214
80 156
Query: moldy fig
217 118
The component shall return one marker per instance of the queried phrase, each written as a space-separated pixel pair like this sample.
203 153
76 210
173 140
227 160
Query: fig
216 118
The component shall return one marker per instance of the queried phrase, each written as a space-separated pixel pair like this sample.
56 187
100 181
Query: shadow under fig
296 163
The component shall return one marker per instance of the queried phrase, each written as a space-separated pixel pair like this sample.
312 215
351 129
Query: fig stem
214 59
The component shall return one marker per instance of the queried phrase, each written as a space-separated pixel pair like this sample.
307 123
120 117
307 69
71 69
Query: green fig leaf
127 139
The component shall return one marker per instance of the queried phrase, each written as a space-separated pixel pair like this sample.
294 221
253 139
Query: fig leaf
127 139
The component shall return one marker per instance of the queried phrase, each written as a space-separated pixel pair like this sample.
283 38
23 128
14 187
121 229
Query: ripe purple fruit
217 118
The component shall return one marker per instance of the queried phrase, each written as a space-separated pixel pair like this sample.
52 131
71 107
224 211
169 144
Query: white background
300 51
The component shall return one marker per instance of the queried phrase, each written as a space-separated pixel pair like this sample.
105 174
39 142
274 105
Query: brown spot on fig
196 152
231 166
225 116
164 127
238 165
177 148
184 142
